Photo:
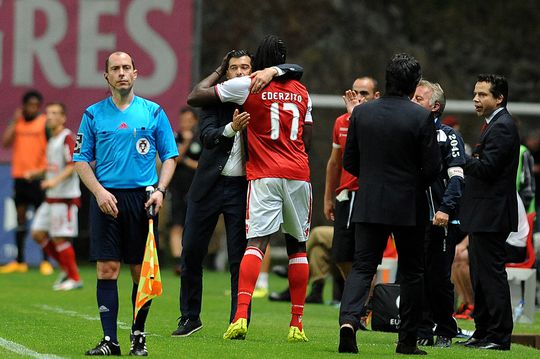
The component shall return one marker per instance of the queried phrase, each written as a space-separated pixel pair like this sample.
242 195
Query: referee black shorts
343 241
122 238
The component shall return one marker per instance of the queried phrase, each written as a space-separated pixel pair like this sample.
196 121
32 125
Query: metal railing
452 106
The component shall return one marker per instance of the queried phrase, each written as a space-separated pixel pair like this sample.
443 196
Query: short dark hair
60 104
238 53
271 52
403 73
118 52
499 86
28 95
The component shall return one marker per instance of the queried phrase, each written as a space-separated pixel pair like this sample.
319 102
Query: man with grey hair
443 233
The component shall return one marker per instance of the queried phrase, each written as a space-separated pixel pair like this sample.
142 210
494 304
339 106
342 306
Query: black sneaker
442 342
138 344
105 347
187 327
425 342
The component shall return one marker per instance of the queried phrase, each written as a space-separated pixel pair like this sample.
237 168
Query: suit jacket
392 149
489 202
216 147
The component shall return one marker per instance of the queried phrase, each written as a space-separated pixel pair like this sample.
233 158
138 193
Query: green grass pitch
37 322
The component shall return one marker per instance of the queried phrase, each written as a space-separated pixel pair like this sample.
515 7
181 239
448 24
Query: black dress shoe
409 349
347 340
186 327
471 342
493 346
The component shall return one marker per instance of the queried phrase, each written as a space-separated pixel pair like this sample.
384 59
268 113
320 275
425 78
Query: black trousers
440 247
370 241
492 307
228 196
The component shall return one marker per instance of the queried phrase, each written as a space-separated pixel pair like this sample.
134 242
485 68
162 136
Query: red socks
50 250
66 259
298 281
249 272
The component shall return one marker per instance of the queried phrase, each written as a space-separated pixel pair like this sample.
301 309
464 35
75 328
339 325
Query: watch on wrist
162 190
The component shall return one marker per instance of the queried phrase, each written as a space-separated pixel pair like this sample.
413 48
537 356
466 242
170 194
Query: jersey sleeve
69 147
335 134
235 90
166 143
84 150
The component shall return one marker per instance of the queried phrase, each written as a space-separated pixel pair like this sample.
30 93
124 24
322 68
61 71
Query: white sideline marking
22 350
72 313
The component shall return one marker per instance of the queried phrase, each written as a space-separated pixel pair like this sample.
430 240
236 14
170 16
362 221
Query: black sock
19 241
45 256
138 324
107 298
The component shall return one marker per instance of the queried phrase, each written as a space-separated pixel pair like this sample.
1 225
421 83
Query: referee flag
150 280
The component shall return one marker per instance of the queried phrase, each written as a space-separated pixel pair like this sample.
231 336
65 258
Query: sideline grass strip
66 324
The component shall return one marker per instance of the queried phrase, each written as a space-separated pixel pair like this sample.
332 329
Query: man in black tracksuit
443 233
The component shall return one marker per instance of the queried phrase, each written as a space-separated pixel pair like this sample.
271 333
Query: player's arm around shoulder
261 78
235 90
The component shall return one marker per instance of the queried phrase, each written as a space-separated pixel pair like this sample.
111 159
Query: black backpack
385 308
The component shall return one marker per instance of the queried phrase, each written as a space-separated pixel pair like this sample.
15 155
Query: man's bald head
118 53
366 87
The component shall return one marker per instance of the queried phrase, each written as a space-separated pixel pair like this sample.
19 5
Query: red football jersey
339 139
275 145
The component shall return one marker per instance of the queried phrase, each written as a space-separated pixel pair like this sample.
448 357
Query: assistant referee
122 134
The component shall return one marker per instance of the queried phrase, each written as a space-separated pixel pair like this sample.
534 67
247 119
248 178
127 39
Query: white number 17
274 119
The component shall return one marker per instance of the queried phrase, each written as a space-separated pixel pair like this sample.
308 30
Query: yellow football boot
296 335
236 330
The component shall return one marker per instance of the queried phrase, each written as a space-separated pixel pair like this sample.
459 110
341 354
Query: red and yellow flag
150 280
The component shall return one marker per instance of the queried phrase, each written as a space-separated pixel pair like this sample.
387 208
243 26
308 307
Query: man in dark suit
392 149
219 187
489 212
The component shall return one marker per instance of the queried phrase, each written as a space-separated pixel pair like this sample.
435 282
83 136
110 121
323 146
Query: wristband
162 190
216 71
